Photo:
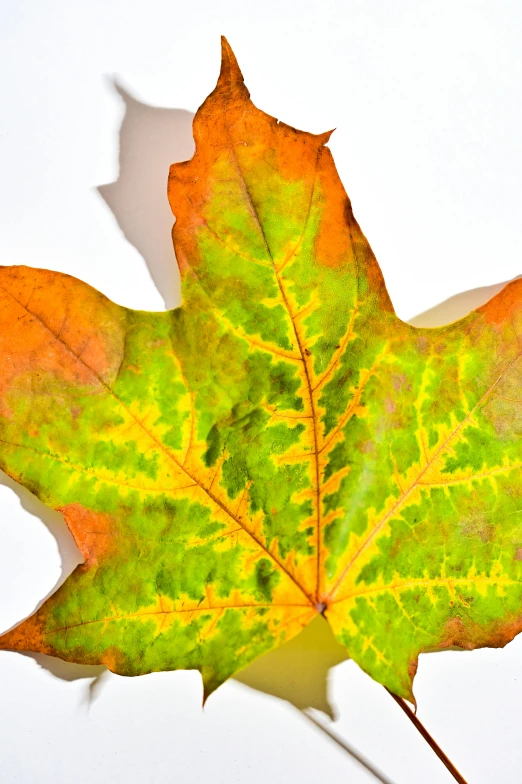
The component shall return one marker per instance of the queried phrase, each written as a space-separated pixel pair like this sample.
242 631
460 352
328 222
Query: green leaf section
429 555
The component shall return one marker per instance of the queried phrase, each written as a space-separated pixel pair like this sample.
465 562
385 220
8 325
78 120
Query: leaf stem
427 737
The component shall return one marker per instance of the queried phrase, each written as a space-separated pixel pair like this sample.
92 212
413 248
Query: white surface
426 100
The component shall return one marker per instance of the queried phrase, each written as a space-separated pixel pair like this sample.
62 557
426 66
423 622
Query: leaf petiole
427 737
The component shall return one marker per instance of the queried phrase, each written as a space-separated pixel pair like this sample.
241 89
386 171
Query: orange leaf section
32 299
229 124
92 532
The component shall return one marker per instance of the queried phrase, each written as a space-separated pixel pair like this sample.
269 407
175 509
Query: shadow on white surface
456 307
151 139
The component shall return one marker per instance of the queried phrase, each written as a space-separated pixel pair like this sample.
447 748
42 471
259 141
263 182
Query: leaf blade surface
278 446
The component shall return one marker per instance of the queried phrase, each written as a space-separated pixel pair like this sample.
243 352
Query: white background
427 103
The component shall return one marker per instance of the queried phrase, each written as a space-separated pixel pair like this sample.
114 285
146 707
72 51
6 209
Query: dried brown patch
390 405
115 661
464 633
478 526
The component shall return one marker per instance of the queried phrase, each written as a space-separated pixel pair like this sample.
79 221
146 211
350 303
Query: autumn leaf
281 445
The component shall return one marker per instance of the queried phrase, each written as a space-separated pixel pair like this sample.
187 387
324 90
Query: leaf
282 445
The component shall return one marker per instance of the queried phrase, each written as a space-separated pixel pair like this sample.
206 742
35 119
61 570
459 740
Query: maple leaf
281 445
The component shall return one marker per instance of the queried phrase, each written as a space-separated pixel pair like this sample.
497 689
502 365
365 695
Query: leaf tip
207 691
26 636
325 137
230 74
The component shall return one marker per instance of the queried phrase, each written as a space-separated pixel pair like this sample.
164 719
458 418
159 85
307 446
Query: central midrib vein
317 599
